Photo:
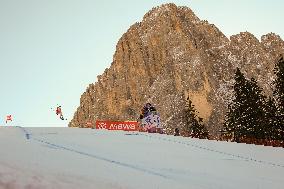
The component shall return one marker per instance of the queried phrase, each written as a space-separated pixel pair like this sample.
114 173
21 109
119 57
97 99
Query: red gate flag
118 125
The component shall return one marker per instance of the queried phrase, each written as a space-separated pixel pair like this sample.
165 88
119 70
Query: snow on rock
170 54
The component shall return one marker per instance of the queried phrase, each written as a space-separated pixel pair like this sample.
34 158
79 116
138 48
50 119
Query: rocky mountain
172 55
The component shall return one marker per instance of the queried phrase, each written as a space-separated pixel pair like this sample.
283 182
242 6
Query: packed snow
75 158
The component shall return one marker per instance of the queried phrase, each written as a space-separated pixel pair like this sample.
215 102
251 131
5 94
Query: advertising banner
118 125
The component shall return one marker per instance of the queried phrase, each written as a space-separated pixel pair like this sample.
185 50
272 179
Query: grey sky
50 50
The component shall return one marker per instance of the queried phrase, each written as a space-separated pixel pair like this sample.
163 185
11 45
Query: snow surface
72 158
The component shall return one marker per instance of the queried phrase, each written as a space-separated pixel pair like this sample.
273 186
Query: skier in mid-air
59 112
8 118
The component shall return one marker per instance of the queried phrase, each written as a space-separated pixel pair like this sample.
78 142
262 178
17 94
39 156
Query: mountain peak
273 43
170 56
170 9
244 36
160 10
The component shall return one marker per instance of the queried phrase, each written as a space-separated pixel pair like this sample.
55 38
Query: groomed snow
73 158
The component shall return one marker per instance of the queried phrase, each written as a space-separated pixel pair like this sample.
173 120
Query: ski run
73 158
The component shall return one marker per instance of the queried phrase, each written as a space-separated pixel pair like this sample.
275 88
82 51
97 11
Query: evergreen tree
257 113
271 130
236 118
246 114
194 123
278 94
279 85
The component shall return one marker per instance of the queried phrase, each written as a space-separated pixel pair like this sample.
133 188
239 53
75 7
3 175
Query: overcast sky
51 50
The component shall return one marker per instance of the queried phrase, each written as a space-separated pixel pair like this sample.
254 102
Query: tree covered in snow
278 94
194 124
246 113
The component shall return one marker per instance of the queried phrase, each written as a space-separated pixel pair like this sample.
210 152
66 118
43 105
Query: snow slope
73 158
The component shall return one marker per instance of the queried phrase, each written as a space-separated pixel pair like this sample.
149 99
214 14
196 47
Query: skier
8 118
59 112
150 119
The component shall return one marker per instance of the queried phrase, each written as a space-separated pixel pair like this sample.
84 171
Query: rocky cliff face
172 55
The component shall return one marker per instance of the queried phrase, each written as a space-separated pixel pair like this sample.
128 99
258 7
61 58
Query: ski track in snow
213 150
167 173
28 137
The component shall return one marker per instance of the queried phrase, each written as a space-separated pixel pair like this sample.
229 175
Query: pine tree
236 119
279 84
278 94
246 114
257 113
194 123
271 130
